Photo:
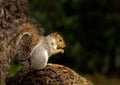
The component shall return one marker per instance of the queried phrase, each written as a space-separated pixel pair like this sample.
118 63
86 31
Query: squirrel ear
55 34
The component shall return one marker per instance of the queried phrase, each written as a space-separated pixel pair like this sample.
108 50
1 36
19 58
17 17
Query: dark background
91 29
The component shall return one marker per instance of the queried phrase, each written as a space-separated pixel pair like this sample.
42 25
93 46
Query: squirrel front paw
61 51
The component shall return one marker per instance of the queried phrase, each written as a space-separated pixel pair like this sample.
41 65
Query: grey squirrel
44 47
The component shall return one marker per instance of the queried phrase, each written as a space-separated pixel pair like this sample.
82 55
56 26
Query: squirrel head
59 40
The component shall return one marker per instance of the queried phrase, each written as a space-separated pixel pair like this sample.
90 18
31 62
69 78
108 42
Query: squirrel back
26 38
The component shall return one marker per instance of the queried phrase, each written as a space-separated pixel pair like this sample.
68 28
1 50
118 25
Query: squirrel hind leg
39 58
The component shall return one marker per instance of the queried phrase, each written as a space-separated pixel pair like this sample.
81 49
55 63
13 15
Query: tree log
53 74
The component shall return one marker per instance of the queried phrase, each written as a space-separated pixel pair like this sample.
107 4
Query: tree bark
13 12
53 74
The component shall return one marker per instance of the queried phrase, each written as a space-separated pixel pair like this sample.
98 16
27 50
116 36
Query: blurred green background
91 29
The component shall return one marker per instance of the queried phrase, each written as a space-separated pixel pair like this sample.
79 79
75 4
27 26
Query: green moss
14 69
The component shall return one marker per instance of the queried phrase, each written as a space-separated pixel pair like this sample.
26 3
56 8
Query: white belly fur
39 58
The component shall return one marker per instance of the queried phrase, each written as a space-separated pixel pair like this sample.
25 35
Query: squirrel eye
60 40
